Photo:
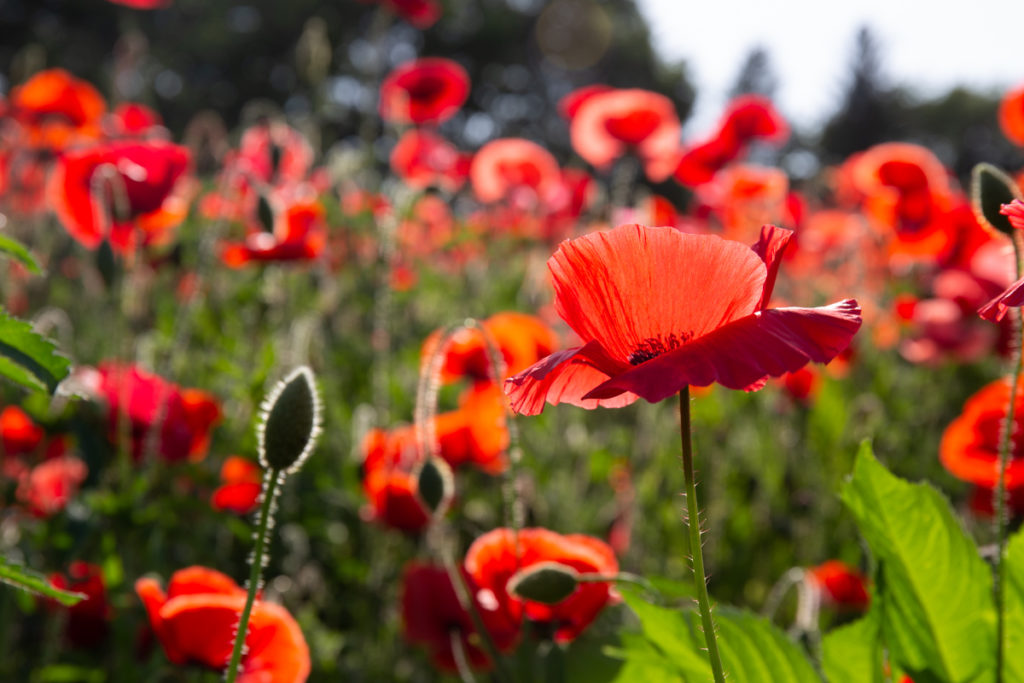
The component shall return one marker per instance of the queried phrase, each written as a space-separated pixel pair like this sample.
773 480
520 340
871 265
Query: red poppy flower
88 621
498 555
1011 116
196 619
184 416
840 585
56 109
428 90
124 191
802 385
658 310
240 491
18 433
509 166
522 340
300 234
420 13
476 433
50 485
389 460
421 159
700 163
970 444
569 105
131 119
609 124
432 615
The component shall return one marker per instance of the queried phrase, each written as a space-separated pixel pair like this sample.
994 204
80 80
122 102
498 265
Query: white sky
930 46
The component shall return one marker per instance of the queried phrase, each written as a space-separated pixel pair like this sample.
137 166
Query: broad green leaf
28 358
642 662
28 580
1013 635
853 653
19 253
752 649
935 590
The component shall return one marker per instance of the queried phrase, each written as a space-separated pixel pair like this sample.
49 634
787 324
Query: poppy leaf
28 580
937 614
1014 627
752 648
19 253
990 189
28 358
853 653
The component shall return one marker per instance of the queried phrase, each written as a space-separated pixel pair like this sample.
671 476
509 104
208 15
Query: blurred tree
756 76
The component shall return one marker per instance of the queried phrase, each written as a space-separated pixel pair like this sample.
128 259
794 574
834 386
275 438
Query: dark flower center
652 347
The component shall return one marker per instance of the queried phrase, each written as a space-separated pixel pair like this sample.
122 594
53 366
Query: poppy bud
289 422
435 485
546 582
990 189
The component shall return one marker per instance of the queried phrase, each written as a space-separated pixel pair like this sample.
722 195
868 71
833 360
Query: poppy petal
997 308
770 247
635 288
770 342
563 377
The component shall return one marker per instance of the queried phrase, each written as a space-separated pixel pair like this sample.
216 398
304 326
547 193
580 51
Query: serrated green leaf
752 648
28 358
1013 627
642 662
28 580
853 653
936 591
19 253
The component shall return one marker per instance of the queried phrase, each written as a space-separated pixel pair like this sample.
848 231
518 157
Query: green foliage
28 358
937 615
752 648
19 253
33 582
1014 595
853 653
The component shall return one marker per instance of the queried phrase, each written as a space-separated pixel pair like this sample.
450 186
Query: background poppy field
197 198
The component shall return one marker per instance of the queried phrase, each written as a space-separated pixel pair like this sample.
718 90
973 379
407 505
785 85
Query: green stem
1005 446
270 484
693 523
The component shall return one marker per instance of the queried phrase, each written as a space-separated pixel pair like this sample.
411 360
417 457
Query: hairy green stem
1005 447
273 480
693 523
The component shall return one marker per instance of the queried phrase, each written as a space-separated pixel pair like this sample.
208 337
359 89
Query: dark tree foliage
756 76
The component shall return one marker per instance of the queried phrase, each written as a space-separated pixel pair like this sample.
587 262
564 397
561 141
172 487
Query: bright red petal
768 343
997 308
641 291
563 377
770 248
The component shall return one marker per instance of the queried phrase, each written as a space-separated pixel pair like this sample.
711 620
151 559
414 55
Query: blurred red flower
608 124
659 310
18 433
569 105
88 621
300 234
389 461
522 340
131 119
509 168
840 585
48 487
422 158
427 90
432 615
996 309
477 432
494 558
242 482
121 191
184 417
420 13
55 110
1011 116
970 445
196 619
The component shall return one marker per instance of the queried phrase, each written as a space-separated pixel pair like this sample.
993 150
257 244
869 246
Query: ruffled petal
997 308
636 289
563 377
770 247
768 343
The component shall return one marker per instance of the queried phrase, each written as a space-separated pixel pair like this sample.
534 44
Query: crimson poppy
121 191
840 585
18 433
1011 116
569 105
389 460
476 433
131 119
494 558
88 621
641 299
608 124
300 234
420 13
427 90
699 164
56 109
522 340
422 158
802 385
241 487
510 165
432 615
196 620
184 417
142 4
970 445
48 487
